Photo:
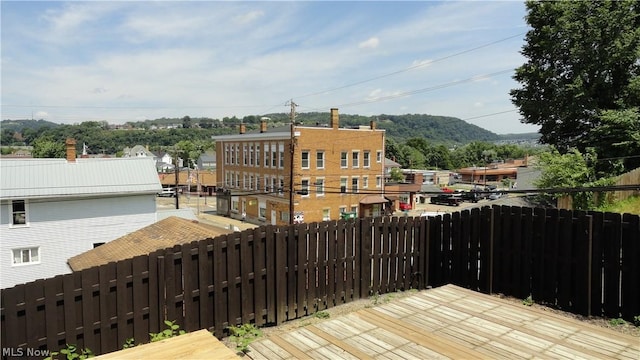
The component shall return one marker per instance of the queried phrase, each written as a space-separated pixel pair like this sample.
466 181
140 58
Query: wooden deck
199 344
448 322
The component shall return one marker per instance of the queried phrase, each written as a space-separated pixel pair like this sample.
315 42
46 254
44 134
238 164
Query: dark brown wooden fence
581 262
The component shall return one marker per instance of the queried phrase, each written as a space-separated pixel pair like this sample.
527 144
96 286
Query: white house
53 209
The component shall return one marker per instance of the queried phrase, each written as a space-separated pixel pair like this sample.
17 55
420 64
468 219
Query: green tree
583 60
186 122
47 148
570 170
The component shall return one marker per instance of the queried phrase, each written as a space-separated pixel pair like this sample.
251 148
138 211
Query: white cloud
249 17
370 43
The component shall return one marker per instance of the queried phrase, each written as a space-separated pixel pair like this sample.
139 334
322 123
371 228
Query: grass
630 206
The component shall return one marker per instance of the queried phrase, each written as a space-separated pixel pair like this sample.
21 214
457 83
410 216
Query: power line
410 67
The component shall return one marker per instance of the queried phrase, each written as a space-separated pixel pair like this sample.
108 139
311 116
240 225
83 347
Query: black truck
447 199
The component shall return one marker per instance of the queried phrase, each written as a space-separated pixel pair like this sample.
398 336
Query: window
305 159
234 205
281 157
226 154
250 182
281 188
245 181
355 161
244 155
274 157
258 184
274 185
326 214
343 185
233 155
18 212
266 156
354 185
378 181
365 182
344 161
262 214
343 209
284 216
319 187
257 155
305 187
237 154
354 209
320 159
379 156
366 159
26 256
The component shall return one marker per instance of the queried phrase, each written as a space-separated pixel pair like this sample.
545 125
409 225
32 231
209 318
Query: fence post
162 294
364 239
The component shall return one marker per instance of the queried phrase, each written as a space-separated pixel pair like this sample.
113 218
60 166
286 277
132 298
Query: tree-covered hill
165 132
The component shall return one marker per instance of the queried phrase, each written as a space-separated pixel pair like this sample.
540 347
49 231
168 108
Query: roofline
63 197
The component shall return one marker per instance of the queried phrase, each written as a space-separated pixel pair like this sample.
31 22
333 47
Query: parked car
472 196
495 195
168 192
405 206
447 199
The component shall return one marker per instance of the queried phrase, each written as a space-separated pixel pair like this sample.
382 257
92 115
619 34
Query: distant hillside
437 129
20 125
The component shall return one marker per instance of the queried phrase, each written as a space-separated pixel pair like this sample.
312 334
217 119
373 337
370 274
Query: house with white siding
54 209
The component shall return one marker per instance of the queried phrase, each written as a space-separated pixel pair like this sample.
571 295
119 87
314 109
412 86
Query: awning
373 199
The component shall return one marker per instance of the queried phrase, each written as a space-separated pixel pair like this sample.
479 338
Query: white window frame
302 159
16 212
281 186
326 214
357 184
21 253
366 159
344 159
305 186
245 155
320 159
365 182
319 187
378 181
355 159
379 156
344 181
281 155
258 155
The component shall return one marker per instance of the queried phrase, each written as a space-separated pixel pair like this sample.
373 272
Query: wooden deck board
195 345
449 323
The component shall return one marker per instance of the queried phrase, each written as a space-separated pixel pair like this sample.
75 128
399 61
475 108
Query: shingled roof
162 234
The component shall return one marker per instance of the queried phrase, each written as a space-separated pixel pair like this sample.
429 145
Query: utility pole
177 172
292 116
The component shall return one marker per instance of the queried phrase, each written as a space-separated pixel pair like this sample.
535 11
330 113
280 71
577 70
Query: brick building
334 172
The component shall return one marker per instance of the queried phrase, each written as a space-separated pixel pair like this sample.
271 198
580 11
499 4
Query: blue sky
70 62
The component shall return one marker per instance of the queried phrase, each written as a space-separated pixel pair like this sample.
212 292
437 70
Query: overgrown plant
528 301
243 335
71 352
322 315
617 322
129 343
172 330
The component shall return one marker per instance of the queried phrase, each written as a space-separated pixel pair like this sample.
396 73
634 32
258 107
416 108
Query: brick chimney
71 149
335 121
372 124
263 126
243 128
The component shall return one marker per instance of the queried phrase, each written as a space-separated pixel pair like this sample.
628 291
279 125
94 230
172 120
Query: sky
116 61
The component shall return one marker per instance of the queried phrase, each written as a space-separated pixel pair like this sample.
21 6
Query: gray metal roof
46 178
